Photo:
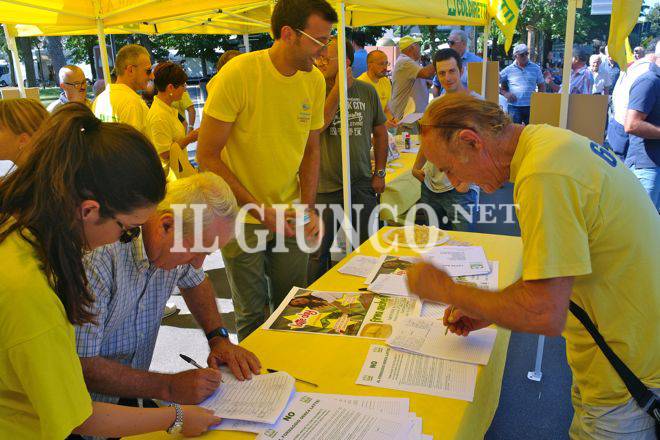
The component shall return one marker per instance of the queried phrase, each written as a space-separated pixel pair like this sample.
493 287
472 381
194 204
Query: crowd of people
93 244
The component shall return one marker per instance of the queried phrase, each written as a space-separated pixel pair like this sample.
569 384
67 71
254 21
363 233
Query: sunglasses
77 84
320 43
147 71
128 234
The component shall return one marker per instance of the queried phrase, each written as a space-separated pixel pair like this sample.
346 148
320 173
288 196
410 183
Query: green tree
653 22
81 50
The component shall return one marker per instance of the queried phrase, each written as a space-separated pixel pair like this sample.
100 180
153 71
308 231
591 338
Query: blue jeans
519 114
650 180
445 207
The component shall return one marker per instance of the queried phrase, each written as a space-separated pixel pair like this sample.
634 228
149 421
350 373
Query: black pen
270 370
192 362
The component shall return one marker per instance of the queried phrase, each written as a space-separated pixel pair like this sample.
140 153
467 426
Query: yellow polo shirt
182 104
584 214
42 390
120 103
163 126
383 86
272 115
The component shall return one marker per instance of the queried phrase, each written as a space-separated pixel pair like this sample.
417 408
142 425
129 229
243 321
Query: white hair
207 189
460 33
593 58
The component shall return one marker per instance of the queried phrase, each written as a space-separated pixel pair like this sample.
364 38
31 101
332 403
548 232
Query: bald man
74 87
376 75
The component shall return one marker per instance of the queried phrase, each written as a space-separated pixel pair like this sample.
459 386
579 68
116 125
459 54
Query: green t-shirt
364 113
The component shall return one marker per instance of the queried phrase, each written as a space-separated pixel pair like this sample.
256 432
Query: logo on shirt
305 115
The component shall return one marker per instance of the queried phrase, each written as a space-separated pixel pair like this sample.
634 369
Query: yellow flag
625 14
505 13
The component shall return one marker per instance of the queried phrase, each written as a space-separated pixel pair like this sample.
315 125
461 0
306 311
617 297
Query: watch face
224 333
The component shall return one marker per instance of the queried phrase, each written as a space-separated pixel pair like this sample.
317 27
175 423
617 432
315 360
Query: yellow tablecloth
334 362
401 188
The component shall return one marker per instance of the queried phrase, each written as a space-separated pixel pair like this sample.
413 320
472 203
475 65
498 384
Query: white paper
261 399
459 260
433 310
489 281
411 118
389 406
310 418
416 430
397 407
385 367
390 284
359 266
427 336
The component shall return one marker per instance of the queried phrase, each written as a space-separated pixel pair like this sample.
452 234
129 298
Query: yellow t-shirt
383 87
182 104
584 214
272 115
163 126
120 103
42 390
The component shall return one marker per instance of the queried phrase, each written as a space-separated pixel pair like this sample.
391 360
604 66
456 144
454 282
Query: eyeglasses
77 84
147 71
320 61
128 234
320 43
524 54
382 63
451 42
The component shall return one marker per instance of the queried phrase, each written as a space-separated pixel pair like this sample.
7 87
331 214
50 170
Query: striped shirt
131 294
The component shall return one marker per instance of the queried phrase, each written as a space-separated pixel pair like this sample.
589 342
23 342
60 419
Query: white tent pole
103 49
568 56
11 44
484 72
343 114
246 42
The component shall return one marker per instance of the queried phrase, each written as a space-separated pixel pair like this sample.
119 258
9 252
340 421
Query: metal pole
537 374
10 34
484 73
103 50
246 42
343 114
568 56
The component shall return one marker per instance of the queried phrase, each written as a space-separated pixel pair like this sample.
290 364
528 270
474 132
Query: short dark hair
445 54
350 52
359 38
169 73
225 57
581 54
294 13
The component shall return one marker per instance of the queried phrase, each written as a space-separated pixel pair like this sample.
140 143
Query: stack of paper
261 399
459 260
359 265
399 370
427 336
338 417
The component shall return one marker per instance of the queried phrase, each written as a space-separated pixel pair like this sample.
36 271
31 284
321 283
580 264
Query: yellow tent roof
79 17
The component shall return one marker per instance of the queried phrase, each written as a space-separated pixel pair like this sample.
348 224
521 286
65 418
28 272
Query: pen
270 370
192 362
451 310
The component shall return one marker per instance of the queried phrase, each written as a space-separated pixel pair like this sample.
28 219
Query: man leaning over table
120 102
590 234
260 132
132 282
365 118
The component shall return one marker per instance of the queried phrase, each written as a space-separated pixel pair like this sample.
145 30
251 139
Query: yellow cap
406 41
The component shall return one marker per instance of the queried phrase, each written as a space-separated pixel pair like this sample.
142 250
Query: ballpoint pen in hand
451 310
192 362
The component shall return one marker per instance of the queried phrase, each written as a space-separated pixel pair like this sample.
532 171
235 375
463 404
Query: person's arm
538 306
192 115
332 99
504 87
309 180
380 157
426 72
541 87
636 124
109 420
201 302
420 161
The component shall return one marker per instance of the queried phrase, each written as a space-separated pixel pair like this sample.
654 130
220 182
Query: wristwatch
379 173
177 426
220 331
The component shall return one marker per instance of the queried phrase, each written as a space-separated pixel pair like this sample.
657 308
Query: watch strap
177 426
220 331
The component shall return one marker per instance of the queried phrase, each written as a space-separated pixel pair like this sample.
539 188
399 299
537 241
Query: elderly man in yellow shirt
376 75
590 234
119 102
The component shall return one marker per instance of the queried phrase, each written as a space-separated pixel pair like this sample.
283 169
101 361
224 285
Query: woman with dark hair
163 124
85 184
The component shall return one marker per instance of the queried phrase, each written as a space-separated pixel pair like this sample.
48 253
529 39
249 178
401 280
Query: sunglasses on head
128 234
